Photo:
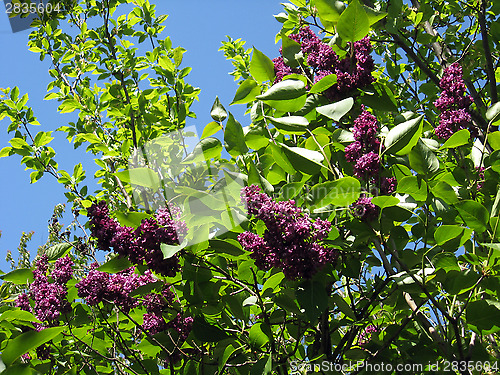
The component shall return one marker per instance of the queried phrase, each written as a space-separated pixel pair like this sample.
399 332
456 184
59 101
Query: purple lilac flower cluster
116 289
364 153
112 288
290 241
48 292
365 336
141 245
353 71
453 103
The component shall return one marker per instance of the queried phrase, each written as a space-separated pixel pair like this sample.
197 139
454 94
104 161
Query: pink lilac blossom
141 245
290 241
453 103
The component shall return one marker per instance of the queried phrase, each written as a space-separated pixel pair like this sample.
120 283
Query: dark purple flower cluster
141 245
290 241
112 288
364 153
364 209
453 103
353 71
48 292
115 289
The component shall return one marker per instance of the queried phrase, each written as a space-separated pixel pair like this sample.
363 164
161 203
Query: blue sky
196 25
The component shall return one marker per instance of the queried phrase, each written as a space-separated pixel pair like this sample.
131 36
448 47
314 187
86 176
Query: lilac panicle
290 241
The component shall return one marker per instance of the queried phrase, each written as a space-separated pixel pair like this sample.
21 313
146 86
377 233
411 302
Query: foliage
373 204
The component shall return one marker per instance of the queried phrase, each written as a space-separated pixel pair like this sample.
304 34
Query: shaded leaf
218 112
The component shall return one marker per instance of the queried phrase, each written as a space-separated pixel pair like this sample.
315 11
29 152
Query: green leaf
263 366
234 138
131 219
290 124
460 138
228 351
291 51
403 137
273 281
115 265
142 176
423 160
444 191
281 159
474 214
19 315
20 276
445 234
259 335
255 178
343 306
312 297
210 129
373 15
341 192
380 97
494 139
353 24
415 186
5 152
170 250
56 251
493 112
336 110
384 201
42 138
261 67
206 332
304 160
446 262
287 96
329 10
206 149
218 112
250 301
323 84
28 341
246 93
483 316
